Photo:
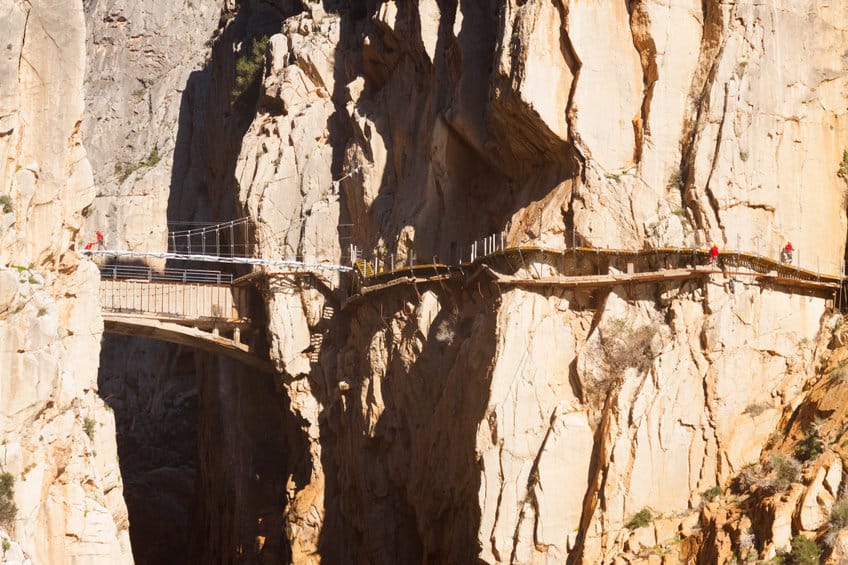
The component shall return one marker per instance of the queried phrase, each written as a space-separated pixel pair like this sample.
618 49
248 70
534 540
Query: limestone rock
411 130
814 506
58 437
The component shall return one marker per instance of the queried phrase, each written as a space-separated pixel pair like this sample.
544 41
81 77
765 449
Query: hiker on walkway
101 244
787 254
713 254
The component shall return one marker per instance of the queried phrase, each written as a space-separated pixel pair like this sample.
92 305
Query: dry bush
625 347
774 476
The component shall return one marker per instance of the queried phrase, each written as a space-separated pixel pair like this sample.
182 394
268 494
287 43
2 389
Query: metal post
232 240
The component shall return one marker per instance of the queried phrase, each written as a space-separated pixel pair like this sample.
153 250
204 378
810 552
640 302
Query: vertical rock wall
630 125
57 434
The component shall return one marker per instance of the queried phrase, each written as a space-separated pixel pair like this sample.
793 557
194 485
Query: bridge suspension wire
225 239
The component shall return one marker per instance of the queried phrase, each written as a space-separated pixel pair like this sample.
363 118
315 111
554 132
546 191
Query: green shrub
810 447
843 166
249 67
710 494
839 514
6 545
804 552
6 203
640 519
786 471
8 510
124 171
88 427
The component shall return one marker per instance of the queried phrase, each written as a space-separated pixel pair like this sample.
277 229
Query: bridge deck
193 307
194 314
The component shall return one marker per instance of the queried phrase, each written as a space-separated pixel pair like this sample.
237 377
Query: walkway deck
208 310
211 316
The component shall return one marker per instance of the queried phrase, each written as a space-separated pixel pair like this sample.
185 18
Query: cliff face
447 423
58 444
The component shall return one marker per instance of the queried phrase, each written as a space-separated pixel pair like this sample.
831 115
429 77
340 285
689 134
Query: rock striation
456 421
58 448
447 122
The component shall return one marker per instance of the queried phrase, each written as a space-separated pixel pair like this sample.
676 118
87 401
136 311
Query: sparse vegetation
786 471
6 203
809 448
675 181
843 166
774 476
88 427
621 347
625 347
249 67
124 171
640 519
41 311
6 545
804 552
755 409
8 510
711 493
839 515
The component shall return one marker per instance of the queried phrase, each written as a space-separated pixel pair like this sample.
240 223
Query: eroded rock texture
58 441
449 423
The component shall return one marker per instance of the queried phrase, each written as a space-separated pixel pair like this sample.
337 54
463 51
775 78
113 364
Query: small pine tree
804 551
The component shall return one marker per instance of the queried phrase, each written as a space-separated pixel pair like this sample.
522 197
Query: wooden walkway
619 266
195 309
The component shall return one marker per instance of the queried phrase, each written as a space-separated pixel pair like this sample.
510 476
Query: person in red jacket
788 252
100 242
713 253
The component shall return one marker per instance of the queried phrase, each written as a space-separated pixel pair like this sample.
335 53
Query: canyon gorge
457 419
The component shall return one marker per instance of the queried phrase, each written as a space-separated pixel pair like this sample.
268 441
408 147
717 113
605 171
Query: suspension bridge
215 312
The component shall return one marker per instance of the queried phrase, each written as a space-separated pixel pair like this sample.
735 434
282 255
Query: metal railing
140 272
190 301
